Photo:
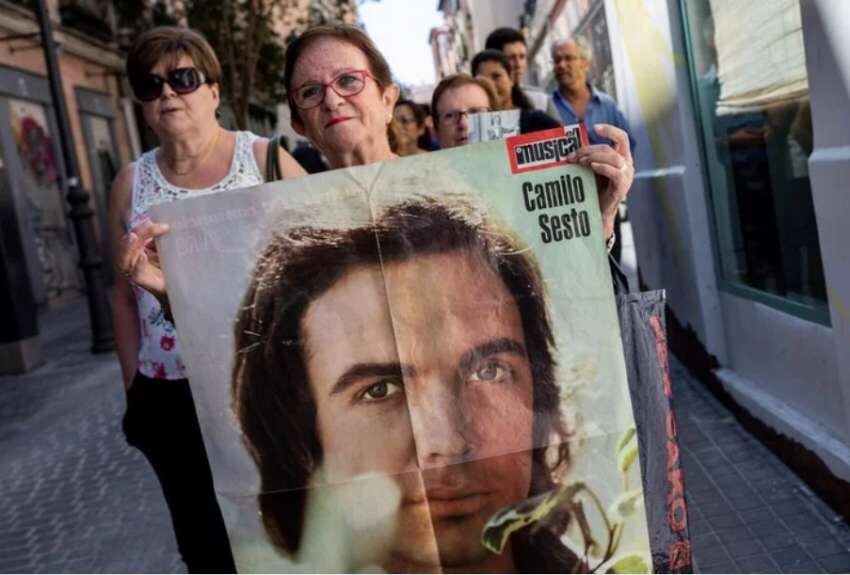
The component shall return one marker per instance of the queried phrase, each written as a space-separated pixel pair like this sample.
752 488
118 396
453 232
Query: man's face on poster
419 370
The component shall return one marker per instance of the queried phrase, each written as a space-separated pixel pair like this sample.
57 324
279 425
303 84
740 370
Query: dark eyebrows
492 347
360 371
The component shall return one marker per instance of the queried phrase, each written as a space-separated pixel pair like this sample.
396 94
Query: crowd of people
343 100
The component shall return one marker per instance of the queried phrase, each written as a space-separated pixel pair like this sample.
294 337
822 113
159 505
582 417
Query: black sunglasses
182 81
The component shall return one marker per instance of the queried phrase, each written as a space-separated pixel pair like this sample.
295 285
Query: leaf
633 563
590 543
627 457
628 435
626 504
513 518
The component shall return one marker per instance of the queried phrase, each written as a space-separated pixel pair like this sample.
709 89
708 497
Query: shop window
751 89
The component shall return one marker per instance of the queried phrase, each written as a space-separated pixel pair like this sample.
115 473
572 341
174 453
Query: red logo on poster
541 150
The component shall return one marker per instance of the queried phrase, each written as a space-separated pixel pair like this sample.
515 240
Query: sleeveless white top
159 352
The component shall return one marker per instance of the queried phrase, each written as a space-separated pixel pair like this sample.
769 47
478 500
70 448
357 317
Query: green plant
599 541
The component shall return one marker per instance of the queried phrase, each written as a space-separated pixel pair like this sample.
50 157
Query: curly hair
271 394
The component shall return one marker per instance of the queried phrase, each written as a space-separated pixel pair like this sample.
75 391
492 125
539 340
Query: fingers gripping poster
412 366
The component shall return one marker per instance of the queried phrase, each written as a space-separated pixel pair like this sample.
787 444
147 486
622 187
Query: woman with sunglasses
175 75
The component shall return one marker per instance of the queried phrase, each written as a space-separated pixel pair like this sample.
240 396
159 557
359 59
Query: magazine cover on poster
413 366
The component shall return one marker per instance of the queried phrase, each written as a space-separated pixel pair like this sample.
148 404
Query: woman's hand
614 169
139 260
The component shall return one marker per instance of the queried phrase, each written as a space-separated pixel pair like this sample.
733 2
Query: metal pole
78 198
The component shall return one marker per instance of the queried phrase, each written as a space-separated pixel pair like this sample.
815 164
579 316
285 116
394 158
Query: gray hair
583 47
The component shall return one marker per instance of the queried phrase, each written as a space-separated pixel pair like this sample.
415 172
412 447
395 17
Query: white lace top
159 350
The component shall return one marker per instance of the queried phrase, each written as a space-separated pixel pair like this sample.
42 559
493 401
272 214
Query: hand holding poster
413 366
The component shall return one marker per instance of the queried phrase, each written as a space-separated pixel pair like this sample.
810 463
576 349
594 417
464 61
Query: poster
412 366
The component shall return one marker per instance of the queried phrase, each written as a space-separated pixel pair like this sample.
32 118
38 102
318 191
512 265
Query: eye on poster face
412 366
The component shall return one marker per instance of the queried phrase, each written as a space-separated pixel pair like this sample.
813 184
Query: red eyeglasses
346 84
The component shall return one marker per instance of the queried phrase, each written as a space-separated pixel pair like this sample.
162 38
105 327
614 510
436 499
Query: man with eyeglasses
454 99
575 100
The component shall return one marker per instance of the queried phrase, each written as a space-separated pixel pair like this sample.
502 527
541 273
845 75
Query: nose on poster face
441 430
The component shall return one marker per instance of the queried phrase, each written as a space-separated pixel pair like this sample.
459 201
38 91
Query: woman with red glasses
175 75
341 94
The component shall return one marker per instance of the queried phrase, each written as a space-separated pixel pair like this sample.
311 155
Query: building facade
38 248
452 43
464 32
484 18
40 254
740 202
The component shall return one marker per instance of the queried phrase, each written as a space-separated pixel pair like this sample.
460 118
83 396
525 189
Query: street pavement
75 498
748 513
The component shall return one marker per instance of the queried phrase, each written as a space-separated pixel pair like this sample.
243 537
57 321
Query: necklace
202 157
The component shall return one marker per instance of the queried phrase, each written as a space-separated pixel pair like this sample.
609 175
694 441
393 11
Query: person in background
175 75
429 141
494 66
575 100
410 128
454 98
511 43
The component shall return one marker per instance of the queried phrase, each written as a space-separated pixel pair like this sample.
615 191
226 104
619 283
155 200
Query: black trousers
161 423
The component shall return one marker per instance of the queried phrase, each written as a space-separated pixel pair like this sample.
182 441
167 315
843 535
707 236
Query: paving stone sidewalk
75 498
748 512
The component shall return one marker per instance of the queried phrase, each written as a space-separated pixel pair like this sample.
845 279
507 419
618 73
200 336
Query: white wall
769 356
828 61
667 202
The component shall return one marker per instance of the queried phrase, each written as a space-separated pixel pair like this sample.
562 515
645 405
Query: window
749 75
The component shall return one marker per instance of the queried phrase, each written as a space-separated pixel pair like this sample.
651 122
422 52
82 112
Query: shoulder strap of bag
273 172
618 276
